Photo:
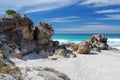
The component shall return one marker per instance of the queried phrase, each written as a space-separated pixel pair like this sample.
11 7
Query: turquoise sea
113 39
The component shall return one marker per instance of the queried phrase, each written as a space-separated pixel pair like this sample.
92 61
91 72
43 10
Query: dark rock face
17 30
98 41
11 23
3 39
54 43
16 37
43 33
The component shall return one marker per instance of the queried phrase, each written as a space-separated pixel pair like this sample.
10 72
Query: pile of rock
94 43
22 39
17 31
99 42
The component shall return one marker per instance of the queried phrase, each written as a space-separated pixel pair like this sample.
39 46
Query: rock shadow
33 56
92 53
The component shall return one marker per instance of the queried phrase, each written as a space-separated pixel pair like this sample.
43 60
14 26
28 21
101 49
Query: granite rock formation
43 33
83 47
13 23
98 41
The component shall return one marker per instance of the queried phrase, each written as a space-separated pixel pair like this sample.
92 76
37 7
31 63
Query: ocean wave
65 41
114 39
113 42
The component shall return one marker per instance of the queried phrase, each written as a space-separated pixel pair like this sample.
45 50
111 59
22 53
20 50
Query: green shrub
8 69
10 12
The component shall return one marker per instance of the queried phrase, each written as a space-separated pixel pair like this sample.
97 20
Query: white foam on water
65 41
114 42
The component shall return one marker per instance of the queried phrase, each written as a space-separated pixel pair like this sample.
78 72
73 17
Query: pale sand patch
101 66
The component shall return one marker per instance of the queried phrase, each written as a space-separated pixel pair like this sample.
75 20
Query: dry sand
101 66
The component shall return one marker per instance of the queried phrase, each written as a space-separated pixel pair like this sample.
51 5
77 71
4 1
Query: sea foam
66 41
113 42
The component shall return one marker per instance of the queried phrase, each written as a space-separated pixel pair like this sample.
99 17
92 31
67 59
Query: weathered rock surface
63 52
81 48
98 41
9 77
84 47
3 39
17 31
43 33
12 23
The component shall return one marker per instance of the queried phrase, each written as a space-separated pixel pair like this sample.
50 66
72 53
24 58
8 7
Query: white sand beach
94 66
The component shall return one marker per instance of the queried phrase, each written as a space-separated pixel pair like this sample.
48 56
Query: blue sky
70 16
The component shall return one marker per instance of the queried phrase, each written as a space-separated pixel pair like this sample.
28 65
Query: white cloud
99 3
94 23
63 19
108 11
90 29
111 17
28 6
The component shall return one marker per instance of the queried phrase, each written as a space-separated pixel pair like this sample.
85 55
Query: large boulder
102 46
11 23
98 41
98 38
72 46
84 47
43 33
63 52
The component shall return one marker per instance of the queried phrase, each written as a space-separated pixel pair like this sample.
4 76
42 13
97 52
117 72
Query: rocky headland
20 40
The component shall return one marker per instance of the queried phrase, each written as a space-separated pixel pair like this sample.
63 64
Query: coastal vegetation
10 12
8 69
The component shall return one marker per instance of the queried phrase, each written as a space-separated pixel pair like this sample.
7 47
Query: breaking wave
113 42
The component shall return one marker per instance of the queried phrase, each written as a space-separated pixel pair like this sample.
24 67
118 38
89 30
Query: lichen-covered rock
43 33
84 47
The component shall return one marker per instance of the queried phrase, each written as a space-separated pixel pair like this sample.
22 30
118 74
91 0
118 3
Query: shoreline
32 54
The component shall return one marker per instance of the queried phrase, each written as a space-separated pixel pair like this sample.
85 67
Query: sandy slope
102 66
